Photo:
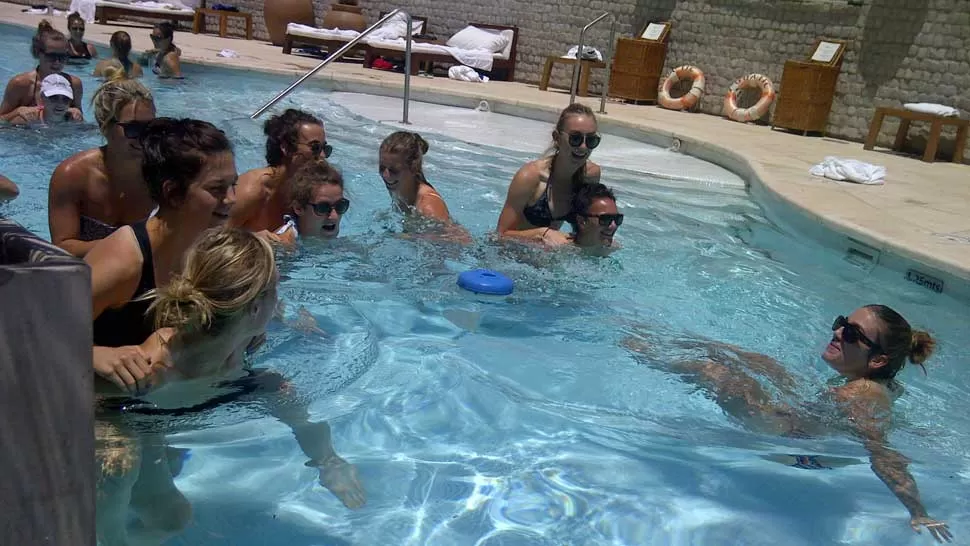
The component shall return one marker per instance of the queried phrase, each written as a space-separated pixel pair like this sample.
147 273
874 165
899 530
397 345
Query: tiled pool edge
783 211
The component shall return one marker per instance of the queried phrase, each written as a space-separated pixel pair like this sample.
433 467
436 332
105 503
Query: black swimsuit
130 325
539 214
84 54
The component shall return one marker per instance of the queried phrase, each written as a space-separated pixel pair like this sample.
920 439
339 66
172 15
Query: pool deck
921 213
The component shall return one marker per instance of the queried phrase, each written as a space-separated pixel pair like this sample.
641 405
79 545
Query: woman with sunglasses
540 196
22 97
318 203
94 192
164 57
264 195
77 49
867 350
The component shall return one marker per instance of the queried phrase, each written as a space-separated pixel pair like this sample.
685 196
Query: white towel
43 11
466 74
589 53
851 170
84 8
932 108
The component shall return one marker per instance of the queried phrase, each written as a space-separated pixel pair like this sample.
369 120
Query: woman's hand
127 367
554 237
938 529
25 115
75 114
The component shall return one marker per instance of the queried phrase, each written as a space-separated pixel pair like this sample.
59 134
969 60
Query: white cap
55 84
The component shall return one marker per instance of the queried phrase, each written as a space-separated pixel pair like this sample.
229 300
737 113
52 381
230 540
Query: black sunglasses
55 57
157 38
592 140
133 129
318 148
607 219
852 333
324 208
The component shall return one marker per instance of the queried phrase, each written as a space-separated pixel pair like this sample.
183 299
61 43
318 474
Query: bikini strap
148 264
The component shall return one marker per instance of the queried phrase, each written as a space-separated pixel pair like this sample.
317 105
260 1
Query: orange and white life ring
760 108
689 99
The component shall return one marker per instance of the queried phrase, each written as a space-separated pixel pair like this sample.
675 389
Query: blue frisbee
486 281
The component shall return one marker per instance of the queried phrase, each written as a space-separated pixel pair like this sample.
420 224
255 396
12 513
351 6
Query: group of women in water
184 279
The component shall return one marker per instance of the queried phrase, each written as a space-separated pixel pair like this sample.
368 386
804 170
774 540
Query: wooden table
198 23
908 116
585 68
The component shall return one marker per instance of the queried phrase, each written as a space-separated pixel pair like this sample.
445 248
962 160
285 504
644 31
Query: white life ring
760 108
689 99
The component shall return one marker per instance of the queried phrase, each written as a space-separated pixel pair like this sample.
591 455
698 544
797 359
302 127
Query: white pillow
472 37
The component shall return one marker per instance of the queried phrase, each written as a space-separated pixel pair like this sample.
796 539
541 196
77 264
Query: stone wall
899 50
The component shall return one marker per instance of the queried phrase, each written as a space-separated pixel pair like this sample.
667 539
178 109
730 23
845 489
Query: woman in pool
205 319
867 349
120 51
164 57
318 203
190 171
55 102
264 195
76 48
49 47
540 195
94 192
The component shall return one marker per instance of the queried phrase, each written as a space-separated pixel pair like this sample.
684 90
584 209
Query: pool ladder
609 59
340 52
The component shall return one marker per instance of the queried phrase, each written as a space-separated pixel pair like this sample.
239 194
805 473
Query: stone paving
922 213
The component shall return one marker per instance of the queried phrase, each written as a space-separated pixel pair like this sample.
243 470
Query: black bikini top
130 324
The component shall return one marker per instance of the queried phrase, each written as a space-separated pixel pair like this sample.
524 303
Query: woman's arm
172 65
867 410
64 196
520 192
92 51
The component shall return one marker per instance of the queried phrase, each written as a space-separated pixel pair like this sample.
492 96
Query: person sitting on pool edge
49 47
76 47
205 318
263 196
541 192
867 350
96 191
120 51
55 101
595 218
318 203
190 170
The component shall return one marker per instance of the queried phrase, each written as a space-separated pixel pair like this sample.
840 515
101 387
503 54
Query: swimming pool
523 421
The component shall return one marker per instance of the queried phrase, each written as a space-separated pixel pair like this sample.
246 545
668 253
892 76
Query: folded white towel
851 170
932 108
228 53
43 11
589 53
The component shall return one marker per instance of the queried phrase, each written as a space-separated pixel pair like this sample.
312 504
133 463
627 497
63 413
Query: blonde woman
94 192
206 317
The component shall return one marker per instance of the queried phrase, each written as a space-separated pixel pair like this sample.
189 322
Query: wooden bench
585 68
908 116
198 23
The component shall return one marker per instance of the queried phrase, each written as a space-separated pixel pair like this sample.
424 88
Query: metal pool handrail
339 53
608 59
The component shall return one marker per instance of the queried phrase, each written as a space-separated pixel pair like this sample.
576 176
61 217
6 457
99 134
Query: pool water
523 420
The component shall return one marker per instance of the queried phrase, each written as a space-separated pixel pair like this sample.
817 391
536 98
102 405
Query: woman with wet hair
264 195
190 171
318 203
119 61
94 192
541 193
205 318
164 58
50 47
77 49
867 350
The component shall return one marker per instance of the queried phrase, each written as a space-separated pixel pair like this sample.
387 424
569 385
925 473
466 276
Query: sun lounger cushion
150 7
393 28
472 37
476 58
296 29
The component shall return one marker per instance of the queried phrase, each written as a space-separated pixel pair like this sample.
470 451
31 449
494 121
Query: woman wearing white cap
23 91
56 96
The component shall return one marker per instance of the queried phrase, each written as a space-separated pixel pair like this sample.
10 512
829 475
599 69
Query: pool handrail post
340 52
609 66
579 53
